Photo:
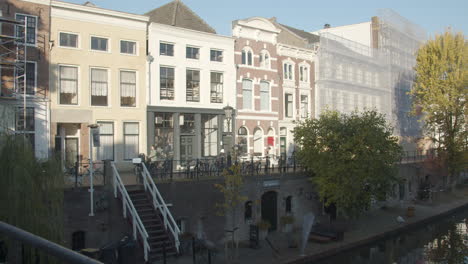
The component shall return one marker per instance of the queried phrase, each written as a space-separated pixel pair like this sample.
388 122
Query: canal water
442 242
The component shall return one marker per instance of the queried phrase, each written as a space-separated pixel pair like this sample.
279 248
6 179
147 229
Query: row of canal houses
165 79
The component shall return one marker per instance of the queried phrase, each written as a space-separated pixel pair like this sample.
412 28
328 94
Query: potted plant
263 227
287 222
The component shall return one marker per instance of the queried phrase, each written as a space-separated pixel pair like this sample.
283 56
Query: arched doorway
269 208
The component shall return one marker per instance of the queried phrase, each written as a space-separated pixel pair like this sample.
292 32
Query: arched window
247 94
242 140
247 56
264 96
288 73
248 211
265 59
258 142
289 204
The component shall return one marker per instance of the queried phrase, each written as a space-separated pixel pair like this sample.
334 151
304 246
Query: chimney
273 19
326 26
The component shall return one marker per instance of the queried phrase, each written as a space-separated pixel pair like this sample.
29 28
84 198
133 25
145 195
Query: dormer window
265 60
247 56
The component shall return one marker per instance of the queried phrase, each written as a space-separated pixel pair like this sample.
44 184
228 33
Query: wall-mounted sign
271 183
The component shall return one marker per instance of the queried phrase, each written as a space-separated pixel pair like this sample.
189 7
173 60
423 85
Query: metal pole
24 73
91 171
62 253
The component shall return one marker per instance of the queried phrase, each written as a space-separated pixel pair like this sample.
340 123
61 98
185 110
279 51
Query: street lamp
93 141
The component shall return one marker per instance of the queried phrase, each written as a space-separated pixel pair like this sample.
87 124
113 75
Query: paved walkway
370 225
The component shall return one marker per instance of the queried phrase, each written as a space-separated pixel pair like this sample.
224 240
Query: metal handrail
159 203
127 202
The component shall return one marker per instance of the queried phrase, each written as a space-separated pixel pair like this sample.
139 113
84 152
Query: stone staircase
152 220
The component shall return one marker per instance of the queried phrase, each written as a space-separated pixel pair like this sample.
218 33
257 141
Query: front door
186 148
71 152
269 209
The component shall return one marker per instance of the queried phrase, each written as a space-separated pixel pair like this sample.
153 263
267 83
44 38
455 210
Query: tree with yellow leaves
440 93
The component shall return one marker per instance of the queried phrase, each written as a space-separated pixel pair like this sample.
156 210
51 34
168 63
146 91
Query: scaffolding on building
13 63
353 76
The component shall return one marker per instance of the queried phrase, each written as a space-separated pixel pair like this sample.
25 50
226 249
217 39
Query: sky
432 15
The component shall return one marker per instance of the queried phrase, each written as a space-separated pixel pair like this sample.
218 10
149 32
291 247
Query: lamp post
228 113
93 141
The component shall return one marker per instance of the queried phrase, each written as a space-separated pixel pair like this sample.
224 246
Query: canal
444 241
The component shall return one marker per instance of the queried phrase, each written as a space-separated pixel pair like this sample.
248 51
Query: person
152 155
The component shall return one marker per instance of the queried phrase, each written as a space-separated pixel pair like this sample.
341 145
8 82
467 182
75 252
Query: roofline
99 11
287 29
348 25
192 30
242 22
296 47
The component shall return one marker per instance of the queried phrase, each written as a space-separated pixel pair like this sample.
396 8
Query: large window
68 85
100 44
192 53
258 142
188 123
128 47
166 49
69 40
242 141
30 78
216 55
247 57
192 92
99 87
288 105
131 138
247 94
304 106
31 25
216 87
166 83
265 59
25 124
164 136
210 135
106 138
264 96
128 88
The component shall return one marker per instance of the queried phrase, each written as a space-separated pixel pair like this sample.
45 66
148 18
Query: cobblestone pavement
369 225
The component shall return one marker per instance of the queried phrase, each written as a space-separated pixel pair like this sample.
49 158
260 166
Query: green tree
440 92
31 196
353 158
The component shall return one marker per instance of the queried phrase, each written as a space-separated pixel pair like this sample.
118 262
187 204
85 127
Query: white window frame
78 83
293 104
167 43
101 51
265 64
193 47
113 136
246 136
222 55
78 40
308 105
35 29
136 47
123 136
136 88
109 87
35 78
252 98
262 141
248 49
175 83
269 95
291 75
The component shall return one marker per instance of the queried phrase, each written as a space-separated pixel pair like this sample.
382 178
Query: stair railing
127 204
159 203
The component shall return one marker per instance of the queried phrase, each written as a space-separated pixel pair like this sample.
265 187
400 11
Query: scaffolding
13 63
353 76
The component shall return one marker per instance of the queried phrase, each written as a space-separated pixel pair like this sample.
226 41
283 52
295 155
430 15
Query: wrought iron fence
213 167
418 155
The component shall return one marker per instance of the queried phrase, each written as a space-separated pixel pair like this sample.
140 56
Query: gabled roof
311 38
178 14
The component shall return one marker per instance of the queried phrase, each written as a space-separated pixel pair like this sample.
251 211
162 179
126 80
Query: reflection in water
443 242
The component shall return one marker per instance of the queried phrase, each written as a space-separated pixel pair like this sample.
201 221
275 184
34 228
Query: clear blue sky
433 15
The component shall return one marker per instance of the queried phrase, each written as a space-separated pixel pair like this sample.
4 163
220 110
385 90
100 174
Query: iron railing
171 169
79 174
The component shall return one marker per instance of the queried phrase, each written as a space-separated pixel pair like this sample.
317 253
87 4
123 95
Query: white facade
182 38
360 33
